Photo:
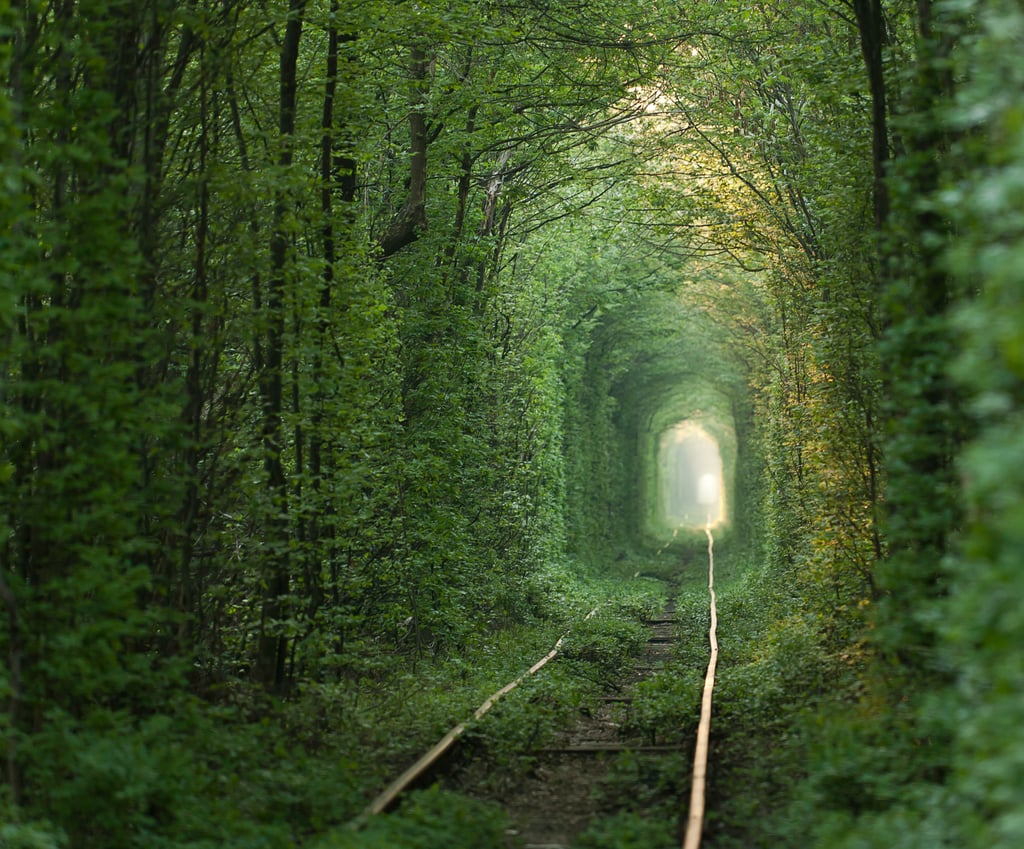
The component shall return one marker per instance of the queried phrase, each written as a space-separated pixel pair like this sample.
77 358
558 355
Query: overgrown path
563 794
571 784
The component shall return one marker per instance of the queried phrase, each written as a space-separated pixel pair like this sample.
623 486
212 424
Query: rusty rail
695 821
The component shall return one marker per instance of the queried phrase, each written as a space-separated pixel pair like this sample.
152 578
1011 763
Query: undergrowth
428 819
778 680
595 650
629 830
782 691
243 770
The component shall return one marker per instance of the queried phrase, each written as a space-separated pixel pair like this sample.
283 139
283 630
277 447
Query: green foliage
428 819
604 644
978 624
666 706
925 738
648 784
628 831
872 765
28 836
526 720
243 436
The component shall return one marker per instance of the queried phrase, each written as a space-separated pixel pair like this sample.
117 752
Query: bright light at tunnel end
691 492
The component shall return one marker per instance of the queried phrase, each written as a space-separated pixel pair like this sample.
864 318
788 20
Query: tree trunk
411 219
871 26
271 651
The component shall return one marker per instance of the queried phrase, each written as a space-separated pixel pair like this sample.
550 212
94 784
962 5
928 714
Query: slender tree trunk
194 392
327 189
14 651
271 651
411 219
871 26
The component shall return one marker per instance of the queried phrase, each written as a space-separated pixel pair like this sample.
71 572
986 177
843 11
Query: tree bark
871 27
14 651
195 396
411 218
272 648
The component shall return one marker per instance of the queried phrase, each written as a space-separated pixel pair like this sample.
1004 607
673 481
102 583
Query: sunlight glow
690 477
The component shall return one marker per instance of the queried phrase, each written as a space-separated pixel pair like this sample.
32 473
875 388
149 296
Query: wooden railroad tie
603 748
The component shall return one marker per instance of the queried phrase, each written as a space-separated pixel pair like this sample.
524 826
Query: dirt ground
562 795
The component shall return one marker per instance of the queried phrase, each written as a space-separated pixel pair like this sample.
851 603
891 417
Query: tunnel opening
691 490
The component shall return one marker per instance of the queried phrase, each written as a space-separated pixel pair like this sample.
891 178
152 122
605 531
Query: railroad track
546 820
556 802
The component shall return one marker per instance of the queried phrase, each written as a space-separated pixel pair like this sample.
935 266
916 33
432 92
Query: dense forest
338 339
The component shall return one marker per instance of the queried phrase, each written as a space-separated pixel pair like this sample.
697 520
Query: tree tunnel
684 457
665 464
